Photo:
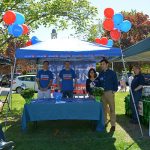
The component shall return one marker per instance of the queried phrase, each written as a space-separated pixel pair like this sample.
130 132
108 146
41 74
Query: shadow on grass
55 135
133 131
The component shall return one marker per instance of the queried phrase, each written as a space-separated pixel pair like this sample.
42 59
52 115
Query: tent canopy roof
138 52
62 48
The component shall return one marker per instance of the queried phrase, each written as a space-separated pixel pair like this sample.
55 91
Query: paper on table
60 102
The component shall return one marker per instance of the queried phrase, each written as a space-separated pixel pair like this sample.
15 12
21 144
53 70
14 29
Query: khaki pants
108 101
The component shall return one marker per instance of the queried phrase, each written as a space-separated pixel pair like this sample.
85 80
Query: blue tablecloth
73 109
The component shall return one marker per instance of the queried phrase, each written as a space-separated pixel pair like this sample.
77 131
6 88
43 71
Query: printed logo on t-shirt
44 77
92 84
67 76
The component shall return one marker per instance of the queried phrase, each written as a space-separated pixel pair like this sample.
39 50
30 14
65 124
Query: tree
139 31
140 28
62 13
94 31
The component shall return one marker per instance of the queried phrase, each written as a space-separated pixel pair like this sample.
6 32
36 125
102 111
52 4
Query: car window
33 78
28 78
21 78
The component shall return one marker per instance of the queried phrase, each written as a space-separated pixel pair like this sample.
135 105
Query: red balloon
9 17
97 40
25 29
108 12
115 34
104 41
108 24
28 43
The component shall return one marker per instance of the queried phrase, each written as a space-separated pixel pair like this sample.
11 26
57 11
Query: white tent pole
130 90
36 72
112 65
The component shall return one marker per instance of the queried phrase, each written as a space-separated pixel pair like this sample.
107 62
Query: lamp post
54 34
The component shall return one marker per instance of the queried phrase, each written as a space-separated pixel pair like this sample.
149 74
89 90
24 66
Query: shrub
27 94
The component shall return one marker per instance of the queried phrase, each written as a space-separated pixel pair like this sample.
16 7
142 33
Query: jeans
137 96
1 134
67 94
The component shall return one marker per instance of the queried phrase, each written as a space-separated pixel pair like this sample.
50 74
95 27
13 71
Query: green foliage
27 94
97 91
76 14
94 31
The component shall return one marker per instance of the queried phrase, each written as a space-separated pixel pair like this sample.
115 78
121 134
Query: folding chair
4 101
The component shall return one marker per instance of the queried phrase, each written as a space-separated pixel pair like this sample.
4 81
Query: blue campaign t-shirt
67 77
44 78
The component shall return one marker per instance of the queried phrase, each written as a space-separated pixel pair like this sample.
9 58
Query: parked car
24 81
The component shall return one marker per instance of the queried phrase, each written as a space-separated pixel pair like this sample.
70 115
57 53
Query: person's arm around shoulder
51 79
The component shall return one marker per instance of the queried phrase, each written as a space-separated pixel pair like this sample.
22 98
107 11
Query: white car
24 81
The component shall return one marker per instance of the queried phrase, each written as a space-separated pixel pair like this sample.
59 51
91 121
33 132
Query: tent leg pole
132 94
10 92
112 65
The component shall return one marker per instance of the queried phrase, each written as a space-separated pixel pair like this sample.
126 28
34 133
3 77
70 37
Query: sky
118 5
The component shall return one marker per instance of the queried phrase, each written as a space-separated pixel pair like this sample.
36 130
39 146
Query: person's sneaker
5 145
112 129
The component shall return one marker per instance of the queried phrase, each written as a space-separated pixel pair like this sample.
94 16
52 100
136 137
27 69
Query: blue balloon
118 18
20 19
117 26
35 40
10 29
17 30
34 37
110 43
125 26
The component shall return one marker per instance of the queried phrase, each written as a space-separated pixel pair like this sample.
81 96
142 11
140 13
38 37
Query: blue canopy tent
67 48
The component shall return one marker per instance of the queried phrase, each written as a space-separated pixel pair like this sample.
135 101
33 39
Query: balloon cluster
114 23
15 22
33 40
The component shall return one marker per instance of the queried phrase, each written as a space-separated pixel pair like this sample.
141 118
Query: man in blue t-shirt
44 81
67 75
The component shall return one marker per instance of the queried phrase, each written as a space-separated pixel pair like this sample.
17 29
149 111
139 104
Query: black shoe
112 129
6 145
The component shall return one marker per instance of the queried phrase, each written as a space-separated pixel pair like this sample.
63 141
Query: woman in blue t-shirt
136 87
92 82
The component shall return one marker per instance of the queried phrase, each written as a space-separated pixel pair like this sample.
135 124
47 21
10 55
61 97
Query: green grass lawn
73 135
